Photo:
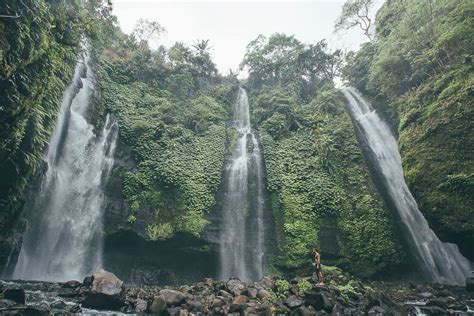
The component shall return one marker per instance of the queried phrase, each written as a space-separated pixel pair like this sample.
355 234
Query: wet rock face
470 283
106 283
17 295
106 292
138 261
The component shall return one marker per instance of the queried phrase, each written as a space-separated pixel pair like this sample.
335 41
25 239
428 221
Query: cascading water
242 244
440 262
62 239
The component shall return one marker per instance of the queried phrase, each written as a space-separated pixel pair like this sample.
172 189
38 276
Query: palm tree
202 46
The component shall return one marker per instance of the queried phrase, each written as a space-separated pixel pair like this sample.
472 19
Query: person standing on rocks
317 266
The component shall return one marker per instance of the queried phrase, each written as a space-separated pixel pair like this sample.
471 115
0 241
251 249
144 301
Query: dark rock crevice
181 259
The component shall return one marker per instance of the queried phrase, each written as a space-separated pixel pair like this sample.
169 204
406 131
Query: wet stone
17 295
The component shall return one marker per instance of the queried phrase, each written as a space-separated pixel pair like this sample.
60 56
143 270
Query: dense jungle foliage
39 41
172 108
419 69
321 191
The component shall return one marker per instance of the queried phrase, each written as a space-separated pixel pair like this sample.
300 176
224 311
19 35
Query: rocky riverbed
342 295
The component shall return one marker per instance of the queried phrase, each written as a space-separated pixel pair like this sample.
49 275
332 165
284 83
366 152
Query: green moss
179 148
319 185
437 156
159 231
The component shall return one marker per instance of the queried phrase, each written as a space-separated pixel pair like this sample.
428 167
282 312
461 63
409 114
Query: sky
231 25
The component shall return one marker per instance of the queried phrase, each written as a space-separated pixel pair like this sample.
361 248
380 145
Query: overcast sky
231 25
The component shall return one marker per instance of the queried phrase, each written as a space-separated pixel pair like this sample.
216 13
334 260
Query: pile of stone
103 291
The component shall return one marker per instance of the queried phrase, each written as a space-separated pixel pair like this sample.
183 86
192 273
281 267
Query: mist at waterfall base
63 236
242 240
439 262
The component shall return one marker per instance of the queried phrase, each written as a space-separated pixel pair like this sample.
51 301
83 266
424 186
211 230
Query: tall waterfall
440 262
242 243
63 236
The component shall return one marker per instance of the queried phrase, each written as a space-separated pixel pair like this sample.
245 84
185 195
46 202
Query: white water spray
63 236
242 244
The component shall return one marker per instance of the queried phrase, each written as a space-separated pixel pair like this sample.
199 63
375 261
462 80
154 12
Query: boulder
71 284
37 309
425 295
67 292
264 309
264 294
306 311
183 312
224 294
158 305
87 282
240 299
106 292
266 283
74 309
293 302
237 308
457 307
172 297
438 301
17 295
58 305
251 292
106 283
280 308
377 311
338 309
235 286
140 306
385 302
320 300
217 302
470 284
194 305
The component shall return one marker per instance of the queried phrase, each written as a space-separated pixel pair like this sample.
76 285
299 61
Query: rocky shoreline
342 295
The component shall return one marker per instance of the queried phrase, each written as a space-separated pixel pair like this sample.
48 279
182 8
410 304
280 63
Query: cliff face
321 191
423 80
436 141
169 164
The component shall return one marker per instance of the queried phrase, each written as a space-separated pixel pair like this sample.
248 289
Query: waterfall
440 262
242 243
63 236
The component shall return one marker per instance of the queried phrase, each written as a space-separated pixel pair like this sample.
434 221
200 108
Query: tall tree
356 13
147 31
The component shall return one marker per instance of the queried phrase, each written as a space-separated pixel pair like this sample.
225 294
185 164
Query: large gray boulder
106 292
470 283
321 300
158 305
172 297
17 295
235 286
